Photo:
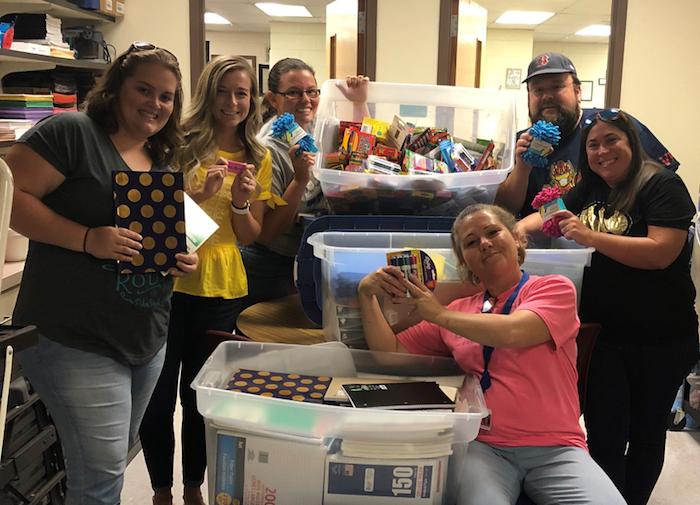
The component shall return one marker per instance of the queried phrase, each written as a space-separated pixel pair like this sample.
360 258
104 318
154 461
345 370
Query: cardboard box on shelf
106 7
118 10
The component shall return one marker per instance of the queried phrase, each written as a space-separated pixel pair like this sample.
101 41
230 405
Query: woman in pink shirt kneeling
518 333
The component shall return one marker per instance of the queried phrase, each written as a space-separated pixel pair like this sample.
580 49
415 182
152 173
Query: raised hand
214 179
244 186
573 229
354 88
302 164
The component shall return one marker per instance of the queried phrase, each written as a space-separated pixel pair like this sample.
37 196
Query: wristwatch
241 210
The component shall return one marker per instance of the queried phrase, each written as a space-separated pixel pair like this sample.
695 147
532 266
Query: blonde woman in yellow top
220 126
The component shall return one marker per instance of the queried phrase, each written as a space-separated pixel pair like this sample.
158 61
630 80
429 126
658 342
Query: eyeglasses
607 115
296 94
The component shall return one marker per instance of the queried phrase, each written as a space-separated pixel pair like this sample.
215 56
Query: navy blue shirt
563 162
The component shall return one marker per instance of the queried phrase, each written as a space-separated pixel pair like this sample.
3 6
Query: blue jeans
97 404
489 475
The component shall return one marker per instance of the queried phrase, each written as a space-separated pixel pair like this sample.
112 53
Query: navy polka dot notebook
151 204
290 386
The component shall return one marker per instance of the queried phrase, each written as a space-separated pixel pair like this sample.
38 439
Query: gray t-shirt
287 243
74 298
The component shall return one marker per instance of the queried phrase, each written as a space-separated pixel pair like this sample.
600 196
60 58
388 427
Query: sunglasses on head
140 45
606 115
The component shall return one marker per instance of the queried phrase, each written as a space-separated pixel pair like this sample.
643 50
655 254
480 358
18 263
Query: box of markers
416 262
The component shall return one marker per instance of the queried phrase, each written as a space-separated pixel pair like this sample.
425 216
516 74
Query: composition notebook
151 204
398 395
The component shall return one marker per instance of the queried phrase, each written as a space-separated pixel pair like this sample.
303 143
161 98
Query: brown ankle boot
193 496
162 497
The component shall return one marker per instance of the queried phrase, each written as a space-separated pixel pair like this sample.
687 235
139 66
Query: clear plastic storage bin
467 113
262 450
346 257
286 417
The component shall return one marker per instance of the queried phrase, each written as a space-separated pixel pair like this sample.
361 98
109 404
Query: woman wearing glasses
270 260
519 333
102 335
221 125
636 214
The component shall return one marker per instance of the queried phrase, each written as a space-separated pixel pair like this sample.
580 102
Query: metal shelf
57 8
22 57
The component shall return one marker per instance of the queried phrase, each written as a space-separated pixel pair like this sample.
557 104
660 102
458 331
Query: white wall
471 28
341 22
240 43
306 41
590 60
506 49
660 78
407 41
144 21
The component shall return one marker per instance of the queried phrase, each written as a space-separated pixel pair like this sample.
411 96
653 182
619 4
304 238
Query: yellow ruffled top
221 272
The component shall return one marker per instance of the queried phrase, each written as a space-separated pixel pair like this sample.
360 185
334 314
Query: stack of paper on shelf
39 34
25 106
12 129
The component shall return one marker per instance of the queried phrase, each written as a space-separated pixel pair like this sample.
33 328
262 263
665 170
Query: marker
414 265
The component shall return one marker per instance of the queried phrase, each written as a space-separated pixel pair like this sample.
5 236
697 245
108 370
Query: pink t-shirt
533 395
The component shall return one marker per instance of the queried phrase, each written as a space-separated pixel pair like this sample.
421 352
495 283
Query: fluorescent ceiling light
595 31
284 10
212 18
523 17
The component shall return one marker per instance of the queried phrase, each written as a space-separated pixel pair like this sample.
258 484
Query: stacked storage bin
273 450
31 463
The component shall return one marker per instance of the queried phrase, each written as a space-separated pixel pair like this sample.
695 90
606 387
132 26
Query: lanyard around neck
488 350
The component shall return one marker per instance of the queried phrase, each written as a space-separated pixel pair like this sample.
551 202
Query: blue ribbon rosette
545 136
285 128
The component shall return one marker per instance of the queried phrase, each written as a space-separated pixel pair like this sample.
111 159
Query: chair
585 341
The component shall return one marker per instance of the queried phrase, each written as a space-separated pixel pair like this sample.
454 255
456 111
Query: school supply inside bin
443 148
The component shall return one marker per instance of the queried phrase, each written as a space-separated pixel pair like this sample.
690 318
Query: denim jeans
97 404
484 474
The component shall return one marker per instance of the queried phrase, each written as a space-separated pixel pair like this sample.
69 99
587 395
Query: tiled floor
679 483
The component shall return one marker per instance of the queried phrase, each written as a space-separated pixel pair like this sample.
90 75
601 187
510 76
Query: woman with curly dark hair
102 334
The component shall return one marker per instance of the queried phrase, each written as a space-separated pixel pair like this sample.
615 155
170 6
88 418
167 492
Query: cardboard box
118 10
106 7
256 469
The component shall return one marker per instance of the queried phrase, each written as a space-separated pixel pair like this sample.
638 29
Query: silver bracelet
241 210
